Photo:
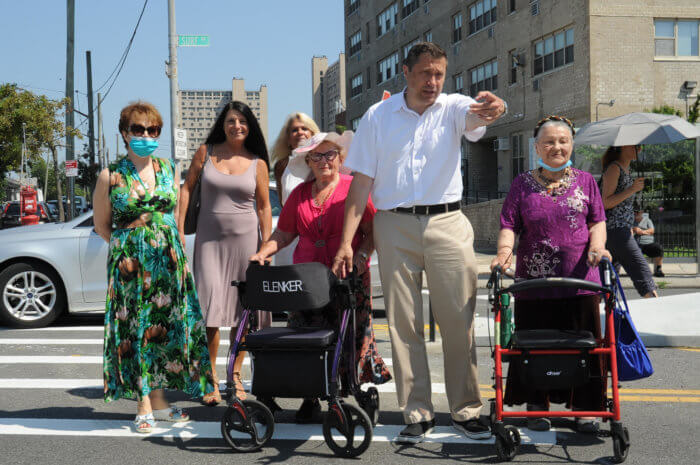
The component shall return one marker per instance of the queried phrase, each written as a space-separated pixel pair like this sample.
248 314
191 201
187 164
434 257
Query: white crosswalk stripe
18 349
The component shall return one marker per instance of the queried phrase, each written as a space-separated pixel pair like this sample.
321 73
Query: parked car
47 269
10 214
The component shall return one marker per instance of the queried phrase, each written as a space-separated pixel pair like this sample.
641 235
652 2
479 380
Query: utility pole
70 95
172 74
91 115
100 149
24 154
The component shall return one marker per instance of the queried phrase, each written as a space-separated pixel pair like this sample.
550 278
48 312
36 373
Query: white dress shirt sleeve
362 155
461 104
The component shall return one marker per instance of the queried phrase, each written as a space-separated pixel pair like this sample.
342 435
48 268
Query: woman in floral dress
557 212
154 334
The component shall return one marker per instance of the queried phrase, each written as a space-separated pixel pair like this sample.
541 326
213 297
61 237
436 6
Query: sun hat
342 141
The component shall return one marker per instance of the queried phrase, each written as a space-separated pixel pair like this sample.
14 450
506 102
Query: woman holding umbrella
618 189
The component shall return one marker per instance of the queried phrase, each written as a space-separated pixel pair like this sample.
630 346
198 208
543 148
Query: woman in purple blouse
558 215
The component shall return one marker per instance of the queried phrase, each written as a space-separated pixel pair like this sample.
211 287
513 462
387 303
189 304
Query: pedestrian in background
406 153
154 333
643 231
234 216
618 189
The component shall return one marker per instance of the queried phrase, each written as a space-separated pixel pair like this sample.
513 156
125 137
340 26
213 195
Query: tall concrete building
328 91
567 57
199 109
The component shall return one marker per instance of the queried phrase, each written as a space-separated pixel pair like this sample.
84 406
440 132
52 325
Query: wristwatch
505 108
363 255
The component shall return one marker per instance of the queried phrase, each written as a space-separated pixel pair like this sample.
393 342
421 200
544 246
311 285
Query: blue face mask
143 146
541 163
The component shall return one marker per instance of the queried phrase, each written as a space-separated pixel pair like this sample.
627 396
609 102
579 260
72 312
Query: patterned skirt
154 334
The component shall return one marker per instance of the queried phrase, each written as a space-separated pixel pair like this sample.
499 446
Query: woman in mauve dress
558 214
235 214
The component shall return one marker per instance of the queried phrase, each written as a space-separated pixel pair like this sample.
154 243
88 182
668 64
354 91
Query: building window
481 14
387 19
457 28
676 38
367 34
353 5
459 83
408 46
354 123
554 51
369 77
428 36
409 6
388 67
513 61
355 42
484 77
511 6
356 85
516 144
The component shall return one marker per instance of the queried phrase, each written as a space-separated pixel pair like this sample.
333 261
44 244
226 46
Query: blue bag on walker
633 360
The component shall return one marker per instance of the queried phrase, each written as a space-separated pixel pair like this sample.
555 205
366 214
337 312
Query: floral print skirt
154 334
370 366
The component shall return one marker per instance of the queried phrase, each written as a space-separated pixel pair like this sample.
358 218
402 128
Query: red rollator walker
553 359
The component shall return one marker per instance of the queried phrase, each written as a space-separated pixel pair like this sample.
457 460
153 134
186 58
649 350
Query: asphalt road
51 411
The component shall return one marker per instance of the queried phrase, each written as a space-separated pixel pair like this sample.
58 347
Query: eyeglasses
329 156
139 130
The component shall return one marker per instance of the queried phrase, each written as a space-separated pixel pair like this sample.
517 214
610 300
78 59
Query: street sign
180 144
193 41
71 168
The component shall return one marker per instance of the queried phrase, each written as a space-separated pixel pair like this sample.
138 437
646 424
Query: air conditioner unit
501 143
535 7
536 84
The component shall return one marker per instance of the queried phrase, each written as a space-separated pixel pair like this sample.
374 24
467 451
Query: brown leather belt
429 209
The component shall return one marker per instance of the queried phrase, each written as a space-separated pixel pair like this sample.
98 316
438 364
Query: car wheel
31 295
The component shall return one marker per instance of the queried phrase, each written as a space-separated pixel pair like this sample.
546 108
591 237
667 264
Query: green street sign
193 41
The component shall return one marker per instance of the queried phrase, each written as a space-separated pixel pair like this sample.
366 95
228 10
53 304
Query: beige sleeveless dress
227 234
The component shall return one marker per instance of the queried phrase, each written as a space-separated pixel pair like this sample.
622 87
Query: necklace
322 205
548 180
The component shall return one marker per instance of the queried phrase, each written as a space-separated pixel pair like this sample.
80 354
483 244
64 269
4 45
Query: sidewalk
680 273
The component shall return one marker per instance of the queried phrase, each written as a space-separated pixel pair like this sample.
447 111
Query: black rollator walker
552 359
299 362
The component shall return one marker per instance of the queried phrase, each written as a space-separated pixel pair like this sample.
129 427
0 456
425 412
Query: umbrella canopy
637 129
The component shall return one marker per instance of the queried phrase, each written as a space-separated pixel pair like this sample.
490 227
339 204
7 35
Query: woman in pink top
314 212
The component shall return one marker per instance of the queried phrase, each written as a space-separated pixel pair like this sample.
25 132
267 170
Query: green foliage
340 129
666 110
694 111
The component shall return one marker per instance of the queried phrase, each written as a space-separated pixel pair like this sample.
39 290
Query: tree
44 129
694 112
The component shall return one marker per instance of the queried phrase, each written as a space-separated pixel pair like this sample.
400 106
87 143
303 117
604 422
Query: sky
267 42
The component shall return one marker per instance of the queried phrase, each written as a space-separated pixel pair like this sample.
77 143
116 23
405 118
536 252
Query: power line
120 64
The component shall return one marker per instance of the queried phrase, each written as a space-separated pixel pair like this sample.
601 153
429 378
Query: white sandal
144 423
173 414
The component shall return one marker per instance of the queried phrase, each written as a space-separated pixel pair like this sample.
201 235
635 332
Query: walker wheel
507 447
247 425
369 401
619 448
350 441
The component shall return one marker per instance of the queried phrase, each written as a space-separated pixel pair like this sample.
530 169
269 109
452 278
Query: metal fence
478 196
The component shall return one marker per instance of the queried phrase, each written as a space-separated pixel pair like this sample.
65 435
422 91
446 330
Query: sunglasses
139 130
329 156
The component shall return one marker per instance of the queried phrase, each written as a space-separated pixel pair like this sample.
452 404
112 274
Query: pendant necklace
321 243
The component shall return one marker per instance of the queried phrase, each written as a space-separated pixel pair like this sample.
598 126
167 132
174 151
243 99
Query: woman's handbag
194 203
633 360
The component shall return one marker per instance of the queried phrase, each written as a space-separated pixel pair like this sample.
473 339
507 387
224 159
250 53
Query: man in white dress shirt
406 153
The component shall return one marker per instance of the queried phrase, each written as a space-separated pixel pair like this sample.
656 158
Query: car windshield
13 209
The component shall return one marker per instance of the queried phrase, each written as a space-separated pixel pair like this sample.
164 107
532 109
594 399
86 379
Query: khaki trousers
442 246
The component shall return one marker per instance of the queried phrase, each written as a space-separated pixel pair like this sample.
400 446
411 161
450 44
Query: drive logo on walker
278 287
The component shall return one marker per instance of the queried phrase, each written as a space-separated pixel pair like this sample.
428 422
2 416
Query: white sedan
47 269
